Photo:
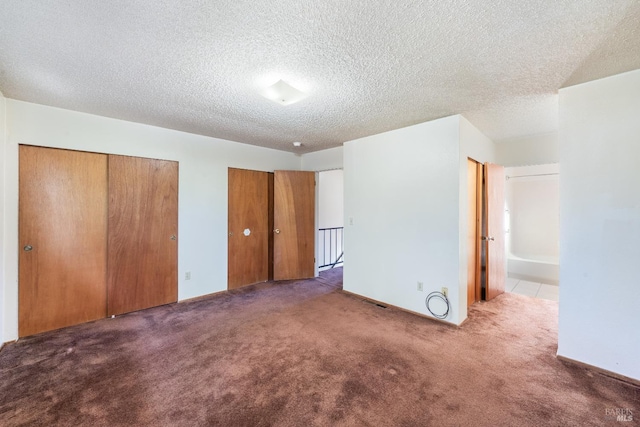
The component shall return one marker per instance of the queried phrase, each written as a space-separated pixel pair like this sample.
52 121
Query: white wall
331 199
600 223
323 160
535 149
3 108
202 209
330 214
401 192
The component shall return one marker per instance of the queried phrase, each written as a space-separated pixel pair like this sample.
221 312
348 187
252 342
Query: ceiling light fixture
297 144
283 93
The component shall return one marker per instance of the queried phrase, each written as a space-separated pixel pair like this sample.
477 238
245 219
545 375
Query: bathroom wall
534 149
533 206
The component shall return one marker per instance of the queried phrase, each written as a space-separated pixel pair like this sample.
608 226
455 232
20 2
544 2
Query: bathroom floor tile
510 283
549 292
532 289
526 288
551 289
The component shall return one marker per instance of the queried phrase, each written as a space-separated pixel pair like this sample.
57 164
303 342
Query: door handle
28 248
277 231
488 238
173 237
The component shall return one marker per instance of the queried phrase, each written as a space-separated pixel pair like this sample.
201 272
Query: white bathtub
534 270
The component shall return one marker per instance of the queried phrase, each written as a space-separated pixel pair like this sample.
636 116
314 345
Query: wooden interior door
63 238
249 227
496 271
474 193
143 229
294 222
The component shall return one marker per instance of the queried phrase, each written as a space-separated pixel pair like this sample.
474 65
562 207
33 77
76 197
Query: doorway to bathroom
532 230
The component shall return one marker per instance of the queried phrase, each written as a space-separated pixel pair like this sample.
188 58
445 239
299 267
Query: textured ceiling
367 67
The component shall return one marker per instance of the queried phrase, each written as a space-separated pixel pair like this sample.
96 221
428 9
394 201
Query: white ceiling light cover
283 93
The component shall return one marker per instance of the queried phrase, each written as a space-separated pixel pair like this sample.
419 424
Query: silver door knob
173 237
277 231
28 248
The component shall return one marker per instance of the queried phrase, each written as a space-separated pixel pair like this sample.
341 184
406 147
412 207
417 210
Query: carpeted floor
304 353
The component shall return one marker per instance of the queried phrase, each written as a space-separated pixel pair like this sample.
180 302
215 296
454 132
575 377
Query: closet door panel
494 220
249 227
294 225
63 238
143 230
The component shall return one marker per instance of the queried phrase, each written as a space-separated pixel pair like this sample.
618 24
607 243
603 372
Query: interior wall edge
366 299
601 371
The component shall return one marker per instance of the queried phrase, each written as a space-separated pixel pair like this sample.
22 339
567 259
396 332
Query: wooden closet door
249 227
63 238
496 269
143 229
474 215
294 222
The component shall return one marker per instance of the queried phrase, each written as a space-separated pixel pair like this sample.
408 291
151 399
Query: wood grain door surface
143 230
494 217
63 238
474 188
294 225
249 227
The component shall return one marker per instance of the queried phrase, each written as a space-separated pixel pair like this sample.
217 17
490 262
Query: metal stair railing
331 247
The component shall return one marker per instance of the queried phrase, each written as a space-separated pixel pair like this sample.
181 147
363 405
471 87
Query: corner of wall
477 146
600 224
3 139
323 160
382 175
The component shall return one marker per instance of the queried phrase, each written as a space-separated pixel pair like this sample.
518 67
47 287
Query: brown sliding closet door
143 230
63 238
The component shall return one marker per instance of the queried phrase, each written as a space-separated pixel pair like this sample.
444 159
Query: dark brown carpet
304 353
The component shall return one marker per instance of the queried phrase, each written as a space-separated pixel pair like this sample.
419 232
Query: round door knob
173 237
277 231
28 248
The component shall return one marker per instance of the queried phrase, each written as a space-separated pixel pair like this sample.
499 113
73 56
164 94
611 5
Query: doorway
486 267
271 226
532 222
330 219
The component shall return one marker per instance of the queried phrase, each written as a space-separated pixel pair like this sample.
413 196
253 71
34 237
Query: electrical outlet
420 286
445 292
187 275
